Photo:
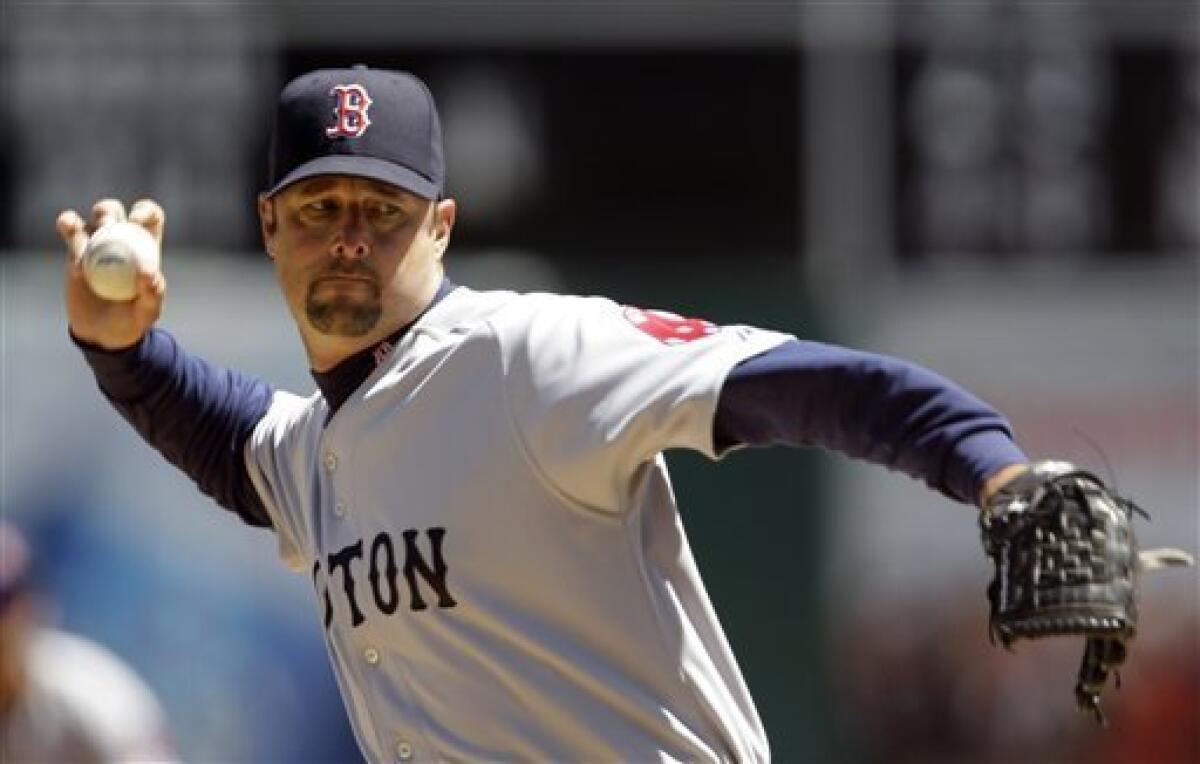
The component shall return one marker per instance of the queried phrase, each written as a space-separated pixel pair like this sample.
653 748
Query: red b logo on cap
351 111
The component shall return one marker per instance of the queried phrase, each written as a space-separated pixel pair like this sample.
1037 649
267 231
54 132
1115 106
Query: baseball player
64 697
476 488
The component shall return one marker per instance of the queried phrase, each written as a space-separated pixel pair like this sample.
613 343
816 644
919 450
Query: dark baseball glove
1067 563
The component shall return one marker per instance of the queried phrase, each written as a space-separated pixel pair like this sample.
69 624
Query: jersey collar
340 382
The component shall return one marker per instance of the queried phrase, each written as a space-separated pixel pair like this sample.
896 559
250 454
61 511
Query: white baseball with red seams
115 255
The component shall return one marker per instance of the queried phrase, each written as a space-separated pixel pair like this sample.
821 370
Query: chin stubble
341 316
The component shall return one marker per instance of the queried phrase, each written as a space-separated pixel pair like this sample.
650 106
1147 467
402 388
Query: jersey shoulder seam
287 428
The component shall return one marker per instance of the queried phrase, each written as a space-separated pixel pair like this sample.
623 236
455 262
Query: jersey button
404 750
339 509
371 655
330 461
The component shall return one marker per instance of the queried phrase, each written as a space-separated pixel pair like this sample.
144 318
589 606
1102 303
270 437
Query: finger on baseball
106 211
152 287
73 232
149 214
152 284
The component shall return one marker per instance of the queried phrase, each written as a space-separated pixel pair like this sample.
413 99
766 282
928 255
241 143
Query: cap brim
362 167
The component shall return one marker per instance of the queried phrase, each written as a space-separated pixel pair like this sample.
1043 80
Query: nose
351 242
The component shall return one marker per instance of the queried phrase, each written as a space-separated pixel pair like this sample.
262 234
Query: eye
386 213
318 206
387 209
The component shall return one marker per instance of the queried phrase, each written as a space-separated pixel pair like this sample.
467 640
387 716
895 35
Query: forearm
868 406
196 415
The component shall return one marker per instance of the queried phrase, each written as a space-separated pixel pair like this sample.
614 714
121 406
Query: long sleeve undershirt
873 407
867 406
195 414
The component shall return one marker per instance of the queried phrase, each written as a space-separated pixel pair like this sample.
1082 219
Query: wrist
99 346
998 480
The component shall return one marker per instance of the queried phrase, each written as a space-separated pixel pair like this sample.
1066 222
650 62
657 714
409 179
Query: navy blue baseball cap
372 123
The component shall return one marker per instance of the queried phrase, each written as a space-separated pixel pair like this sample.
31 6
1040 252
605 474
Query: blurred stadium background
1005 191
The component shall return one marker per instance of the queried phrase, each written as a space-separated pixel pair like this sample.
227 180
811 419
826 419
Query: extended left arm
873 407
1065 553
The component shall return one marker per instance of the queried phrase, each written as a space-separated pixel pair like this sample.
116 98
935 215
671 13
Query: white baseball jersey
493 539
80 703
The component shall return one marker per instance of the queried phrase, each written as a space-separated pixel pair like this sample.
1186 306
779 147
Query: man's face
354 256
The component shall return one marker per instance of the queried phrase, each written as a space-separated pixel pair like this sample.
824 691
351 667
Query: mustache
346 270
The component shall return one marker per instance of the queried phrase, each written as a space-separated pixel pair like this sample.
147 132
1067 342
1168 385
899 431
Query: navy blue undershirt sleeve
867 406
195 414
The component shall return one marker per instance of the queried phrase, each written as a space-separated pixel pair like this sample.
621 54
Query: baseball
115 255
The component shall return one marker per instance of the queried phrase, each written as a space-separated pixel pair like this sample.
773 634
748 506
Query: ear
267 223
444 212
